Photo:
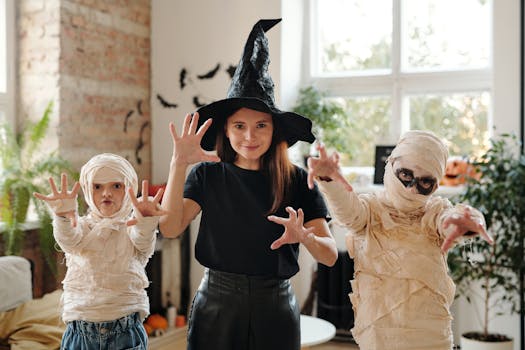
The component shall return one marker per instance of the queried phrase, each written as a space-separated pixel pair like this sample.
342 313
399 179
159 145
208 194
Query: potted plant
499 193
24 169
327 116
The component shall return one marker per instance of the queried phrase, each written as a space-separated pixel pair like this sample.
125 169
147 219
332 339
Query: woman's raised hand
325 168
187 147
63 203
294 231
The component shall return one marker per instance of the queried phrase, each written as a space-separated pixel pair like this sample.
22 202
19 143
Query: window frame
7 99
397 84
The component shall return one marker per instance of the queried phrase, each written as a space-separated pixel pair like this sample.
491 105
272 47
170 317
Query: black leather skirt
239 312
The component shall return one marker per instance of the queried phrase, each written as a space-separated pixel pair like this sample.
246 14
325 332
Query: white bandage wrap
60 206
421 148
106 168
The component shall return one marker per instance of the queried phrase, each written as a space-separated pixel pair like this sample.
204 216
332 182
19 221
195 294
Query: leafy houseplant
327 117
24 169
499 194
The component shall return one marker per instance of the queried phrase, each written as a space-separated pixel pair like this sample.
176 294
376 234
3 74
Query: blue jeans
125 333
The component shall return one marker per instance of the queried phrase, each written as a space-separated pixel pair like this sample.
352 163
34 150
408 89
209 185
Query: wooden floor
335 345
176 340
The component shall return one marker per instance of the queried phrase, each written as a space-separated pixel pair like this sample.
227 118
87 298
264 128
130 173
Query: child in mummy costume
401 291
104 301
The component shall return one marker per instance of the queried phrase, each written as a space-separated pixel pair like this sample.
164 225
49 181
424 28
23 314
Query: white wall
198 34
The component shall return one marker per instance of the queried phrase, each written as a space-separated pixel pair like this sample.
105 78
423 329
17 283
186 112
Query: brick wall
92 57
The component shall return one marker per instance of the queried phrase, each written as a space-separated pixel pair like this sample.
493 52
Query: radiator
333 287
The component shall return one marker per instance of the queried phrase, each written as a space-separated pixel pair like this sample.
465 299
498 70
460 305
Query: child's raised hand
145 205
325 167
294 231
63 203
187 147
463 224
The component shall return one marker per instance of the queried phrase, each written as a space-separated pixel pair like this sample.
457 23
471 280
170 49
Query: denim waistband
106 327
243 283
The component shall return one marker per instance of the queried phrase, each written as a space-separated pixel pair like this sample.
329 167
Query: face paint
424 184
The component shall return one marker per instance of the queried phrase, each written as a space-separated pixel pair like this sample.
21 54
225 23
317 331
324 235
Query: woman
247 194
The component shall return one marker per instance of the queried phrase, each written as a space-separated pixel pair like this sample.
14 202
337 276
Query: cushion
16 288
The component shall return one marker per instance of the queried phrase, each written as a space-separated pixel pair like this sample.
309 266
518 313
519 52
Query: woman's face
250 134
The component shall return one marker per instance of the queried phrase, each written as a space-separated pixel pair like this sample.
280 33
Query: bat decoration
128 115
196 102
165 103
139 107
182 78
140 144
231 70
211 73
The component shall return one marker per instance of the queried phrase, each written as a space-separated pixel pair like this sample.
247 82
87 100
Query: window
7 71
396 65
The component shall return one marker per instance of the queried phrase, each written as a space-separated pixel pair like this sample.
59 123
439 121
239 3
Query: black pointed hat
252 87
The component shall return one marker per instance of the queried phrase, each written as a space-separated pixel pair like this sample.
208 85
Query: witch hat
252 87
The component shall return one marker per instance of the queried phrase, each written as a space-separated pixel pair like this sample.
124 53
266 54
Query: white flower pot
469 344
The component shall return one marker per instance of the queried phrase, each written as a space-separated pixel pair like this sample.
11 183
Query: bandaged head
108 168
424 150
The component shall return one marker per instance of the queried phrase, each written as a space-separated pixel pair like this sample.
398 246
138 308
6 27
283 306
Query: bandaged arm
144 233
345 206
66 236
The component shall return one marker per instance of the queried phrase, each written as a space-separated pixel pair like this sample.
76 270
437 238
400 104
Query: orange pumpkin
457 171
148 328
157 321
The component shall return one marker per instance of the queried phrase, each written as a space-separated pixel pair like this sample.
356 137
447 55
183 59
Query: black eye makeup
424 184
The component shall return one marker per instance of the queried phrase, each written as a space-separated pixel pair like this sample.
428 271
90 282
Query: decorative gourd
157 321
457 170
148 328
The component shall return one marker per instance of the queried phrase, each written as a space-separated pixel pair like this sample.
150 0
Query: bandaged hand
294 231
145 205
62 203
463 224
325 168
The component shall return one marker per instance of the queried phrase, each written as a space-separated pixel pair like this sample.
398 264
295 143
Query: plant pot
472 344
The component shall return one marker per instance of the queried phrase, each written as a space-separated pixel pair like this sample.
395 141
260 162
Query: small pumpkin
457 171
156 321
148 328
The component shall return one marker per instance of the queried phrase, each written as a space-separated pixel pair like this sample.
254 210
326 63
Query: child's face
108 197
413 177
250 134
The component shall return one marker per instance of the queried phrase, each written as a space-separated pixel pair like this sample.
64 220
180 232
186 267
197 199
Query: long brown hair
275 163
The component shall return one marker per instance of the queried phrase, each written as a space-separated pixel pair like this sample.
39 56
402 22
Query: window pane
460 118
3 48
446 34
367 124
341 43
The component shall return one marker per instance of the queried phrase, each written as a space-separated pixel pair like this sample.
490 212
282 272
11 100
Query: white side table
315 331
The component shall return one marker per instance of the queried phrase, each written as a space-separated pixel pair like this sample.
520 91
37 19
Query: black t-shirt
235 234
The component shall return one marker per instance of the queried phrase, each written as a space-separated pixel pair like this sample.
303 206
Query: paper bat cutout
165 103
211 73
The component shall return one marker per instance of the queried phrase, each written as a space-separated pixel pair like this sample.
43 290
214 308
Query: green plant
499 194
328 117
24 169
